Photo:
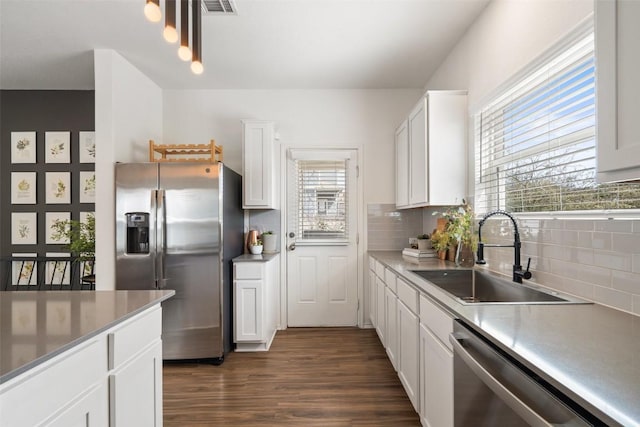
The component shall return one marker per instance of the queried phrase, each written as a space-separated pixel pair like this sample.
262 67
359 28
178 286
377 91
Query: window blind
535 144
322 199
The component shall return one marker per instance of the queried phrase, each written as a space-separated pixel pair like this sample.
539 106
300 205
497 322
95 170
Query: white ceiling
270 44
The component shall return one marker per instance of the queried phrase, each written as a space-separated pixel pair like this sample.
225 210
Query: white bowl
256 249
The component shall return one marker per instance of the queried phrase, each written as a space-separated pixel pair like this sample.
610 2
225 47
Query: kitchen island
587 351
81 357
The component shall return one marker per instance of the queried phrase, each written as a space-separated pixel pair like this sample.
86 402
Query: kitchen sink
478 287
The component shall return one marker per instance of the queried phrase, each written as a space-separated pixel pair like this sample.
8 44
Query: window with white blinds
322 199
535 144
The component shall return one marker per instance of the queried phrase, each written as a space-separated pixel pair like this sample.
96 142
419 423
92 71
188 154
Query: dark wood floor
310 377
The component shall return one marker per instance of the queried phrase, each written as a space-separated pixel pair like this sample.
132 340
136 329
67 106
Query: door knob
292 247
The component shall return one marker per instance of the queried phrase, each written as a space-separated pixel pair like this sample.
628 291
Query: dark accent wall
42 111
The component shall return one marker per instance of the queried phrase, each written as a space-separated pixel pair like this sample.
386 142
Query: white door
322 269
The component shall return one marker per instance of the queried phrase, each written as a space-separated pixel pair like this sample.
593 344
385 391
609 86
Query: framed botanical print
87 147
58 187
23 188
24 272
24 228
87 187
53 234
58 272
57 147
23 147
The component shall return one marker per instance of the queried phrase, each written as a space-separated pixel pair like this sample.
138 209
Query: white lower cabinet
436 366
436 381
135 390
408 354
381 317
373 297
113 378
255 302
391 321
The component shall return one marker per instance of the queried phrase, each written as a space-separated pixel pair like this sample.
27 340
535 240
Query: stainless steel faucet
518 273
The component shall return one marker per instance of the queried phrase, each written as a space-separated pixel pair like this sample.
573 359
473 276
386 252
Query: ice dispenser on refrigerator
137 232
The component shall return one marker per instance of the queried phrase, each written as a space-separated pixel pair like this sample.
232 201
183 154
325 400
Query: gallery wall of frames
47 168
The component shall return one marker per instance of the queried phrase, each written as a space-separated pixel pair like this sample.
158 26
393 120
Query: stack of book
419 253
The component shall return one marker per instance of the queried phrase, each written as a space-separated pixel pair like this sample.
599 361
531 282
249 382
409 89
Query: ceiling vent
219 7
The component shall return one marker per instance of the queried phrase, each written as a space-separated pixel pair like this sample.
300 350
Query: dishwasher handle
509 398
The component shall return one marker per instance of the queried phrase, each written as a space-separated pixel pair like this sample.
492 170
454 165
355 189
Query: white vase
269 241
256 249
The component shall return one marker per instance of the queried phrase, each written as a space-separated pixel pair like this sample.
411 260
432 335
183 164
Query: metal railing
47 273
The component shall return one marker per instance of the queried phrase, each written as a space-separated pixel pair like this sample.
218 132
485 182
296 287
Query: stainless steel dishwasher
493 389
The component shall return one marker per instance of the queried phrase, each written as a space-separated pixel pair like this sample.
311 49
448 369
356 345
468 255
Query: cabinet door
135 390
418 154
618 139
91 410
409 353
248 297
436 381
381 325
391 316
373 297
402 165
257 161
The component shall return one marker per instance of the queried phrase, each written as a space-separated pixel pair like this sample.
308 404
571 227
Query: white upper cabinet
618 89
431 156
402 165
258 164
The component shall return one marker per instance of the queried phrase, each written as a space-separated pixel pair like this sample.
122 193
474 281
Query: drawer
247 270
380 269
407 294
437 320
134 335
390 279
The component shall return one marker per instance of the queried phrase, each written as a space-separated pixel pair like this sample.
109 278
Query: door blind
535 144
322 199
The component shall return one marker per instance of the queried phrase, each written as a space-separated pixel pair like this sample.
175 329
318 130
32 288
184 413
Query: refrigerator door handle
161 228
153 222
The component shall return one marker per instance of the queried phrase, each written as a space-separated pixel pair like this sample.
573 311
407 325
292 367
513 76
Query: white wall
128 114
508 35
331 118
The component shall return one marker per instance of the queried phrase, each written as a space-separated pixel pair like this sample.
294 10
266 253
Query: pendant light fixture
170 32
152 10
184 52
196 37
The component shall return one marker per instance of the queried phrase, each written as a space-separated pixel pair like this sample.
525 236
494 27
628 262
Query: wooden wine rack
166 151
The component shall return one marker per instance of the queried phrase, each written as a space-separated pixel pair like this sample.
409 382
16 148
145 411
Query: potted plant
80 235
82 244
460 222
256 247
269 240
423 241
440 240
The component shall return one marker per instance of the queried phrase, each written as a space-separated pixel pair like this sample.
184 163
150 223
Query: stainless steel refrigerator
178 225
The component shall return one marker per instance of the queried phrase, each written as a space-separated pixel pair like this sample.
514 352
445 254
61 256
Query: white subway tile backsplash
625 282
614 225
579 225
636 304
612 260
613 298
625 242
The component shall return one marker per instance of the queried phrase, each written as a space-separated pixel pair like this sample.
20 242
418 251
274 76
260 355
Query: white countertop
588 351
263 257
37 325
